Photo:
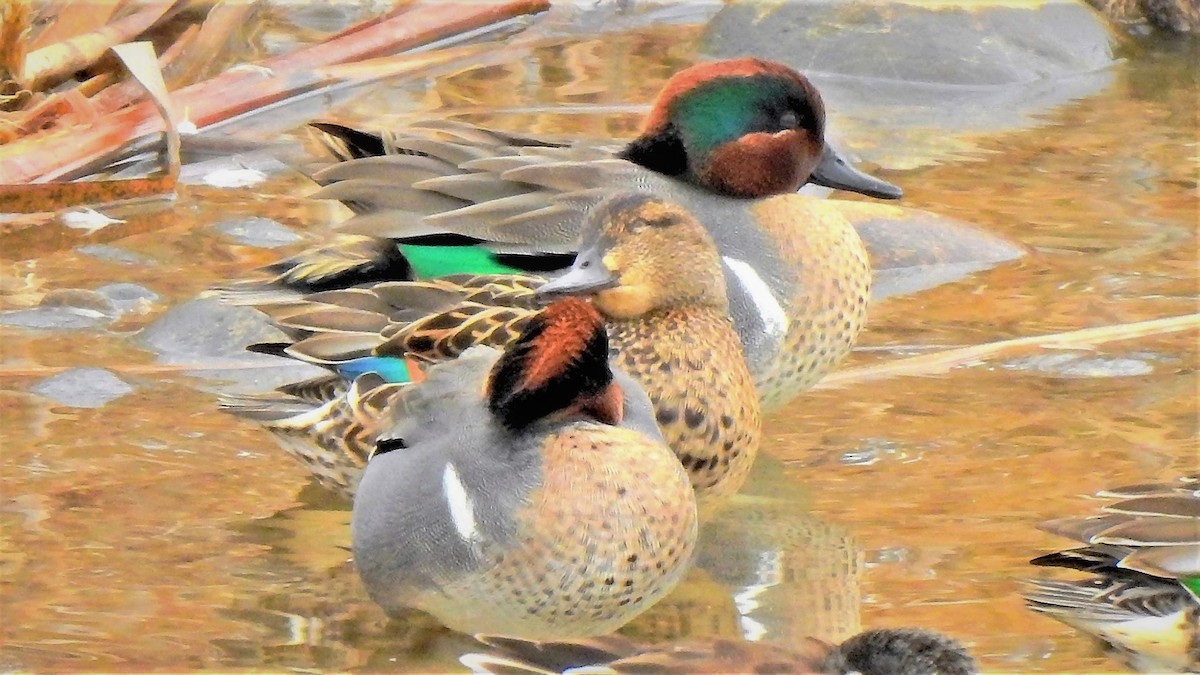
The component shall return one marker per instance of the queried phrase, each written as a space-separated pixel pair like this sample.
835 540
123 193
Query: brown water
157 533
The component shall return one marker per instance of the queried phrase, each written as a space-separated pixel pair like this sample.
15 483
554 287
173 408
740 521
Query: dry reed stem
941 362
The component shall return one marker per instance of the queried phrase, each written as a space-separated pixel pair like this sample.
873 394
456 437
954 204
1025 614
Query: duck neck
667 330
690 362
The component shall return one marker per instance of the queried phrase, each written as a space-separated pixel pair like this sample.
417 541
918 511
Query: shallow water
153 532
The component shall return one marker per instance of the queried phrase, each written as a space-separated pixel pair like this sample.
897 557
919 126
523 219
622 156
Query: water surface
153 532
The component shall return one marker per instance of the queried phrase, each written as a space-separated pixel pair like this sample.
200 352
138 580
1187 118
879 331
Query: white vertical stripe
774 319
462 511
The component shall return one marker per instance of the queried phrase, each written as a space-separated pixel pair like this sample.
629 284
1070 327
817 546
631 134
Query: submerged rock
54 318
230 170
127 297
80 299
83 387
78 308
64 309
206 328
204 332
1071 365
260 232
114 254
913 250
923 75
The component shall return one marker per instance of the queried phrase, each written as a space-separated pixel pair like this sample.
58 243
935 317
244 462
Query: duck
649 268
1170 16
731 141
885 651
526 490
1143 596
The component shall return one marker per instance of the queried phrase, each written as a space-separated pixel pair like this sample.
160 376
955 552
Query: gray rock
908 280
206 328
260 232
54 318
64 309
78 308
593 18
79 299
914 250
905 74
82 387
204 332
985 44
1070 365
127 297
228 166
114 254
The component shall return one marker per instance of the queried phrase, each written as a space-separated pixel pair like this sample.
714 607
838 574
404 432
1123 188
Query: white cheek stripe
774 319
462 511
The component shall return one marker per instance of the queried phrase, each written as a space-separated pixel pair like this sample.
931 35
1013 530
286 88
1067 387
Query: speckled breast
690 364
608 532
799 281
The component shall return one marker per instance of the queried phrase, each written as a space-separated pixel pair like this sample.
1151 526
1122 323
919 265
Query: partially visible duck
1143 555
893 651
649 268
528 491
1171 16
447 197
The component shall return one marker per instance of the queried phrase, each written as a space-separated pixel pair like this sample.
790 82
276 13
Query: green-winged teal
1143 553
1172 16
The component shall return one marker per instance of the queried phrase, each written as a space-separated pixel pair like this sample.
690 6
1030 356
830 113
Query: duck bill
833 171
578 281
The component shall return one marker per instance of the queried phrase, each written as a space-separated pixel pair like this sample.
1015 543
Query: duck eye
585 263
789 120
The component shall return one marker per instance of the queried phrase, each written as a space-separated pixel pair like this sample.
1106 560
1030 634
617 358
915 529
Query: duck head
557 367
638 254
745 128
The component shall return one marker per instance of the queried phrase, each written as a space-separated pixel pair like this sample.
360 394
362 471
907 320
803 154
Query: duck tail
346 143
329 427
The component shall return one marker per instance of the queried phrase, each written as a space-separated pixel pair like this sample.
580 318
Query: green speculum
429 262
1193 586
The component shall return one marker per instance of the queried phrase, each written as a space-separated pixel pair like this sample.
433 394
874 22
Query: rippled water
152 532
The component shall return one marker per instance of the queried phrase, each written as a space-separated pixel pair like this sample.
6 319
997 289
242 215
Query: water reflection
154 532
